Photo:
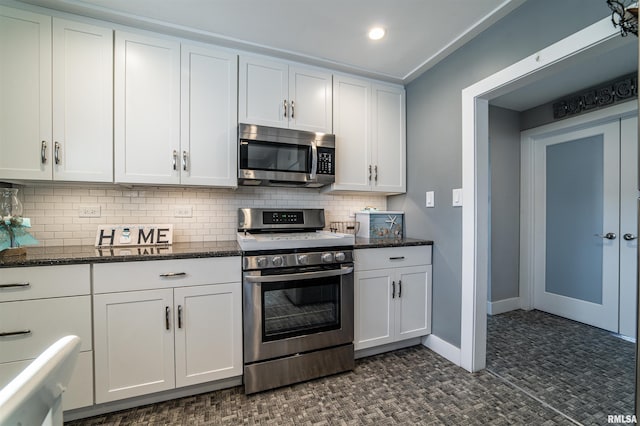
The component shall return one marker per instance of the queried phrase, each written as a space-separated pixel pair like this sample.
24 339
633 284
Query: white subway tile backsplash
53 209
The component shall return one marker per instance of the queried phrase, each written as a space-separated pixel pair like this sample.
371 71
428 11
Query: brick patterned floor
565 366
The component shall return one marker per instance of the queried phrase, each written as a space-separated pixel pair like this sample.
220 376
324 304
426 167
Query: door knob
608 235
629 237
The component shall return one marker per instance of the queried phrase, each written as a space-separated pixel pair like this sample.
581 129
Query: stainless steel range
297 297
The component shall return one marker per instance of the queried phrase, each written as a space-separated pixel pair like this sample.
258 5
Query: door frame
588 42
527 183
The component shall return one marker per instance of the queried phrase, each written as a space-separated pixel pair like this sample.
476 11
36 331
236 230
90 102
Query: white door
25 95
310 93
82 102
388 139
351 125
134 342
209 117
374 308
263 96
577 225
146 109
628 225
413 310
208 337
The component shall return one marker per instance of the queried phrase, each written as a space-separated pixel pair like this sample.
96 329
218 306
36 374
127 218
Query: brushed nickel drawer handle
173 274
14 333
397 258
15 285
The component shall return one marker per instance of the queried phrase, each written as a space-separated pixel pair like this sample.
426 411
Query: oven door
279 162
296 312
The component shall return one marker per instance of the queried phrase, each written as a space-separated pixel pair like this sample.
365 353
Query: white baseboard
502 306
443 348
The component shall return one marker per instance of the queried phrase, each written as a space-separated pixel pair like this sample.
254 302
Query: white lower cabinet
40 305
153 340
392 295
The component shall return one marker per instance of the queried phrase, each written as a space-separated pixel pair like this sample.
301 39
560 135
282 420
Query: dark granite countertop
67 255
38 256
362 243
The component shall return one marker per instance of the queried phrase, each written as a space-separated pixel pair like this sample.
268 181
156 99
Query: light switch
430 202
456 197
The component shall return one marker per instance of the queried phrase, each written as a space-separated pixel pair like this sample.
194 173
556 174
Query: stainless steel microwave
271 156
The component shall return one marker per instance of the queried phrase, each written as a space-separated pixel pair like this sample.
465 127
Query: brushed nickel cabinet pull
14 333
293 110
397 258
399 289
376 171
173 274
166 317
56 152
175 160
369 172
179 316
15 285
184 160
393 291
284 102
43 152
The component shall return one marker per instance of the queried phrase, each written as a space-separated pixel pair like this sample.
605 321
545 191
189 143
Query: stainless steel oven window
259 155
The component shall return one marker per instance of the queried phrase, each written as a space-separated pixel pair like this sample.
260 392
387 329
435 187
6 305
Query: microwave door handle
298 276
314 161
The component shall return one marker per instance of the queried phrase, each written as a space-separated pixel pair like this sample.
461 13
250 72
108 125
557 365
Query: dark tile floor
416 386
584 372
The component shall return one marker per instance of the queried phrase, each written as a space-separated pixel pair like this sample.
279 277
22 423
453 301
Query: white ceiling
331 33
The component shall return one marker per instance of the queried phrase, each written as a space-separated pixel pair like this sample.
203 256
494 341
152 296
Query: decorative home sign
134 235
622 89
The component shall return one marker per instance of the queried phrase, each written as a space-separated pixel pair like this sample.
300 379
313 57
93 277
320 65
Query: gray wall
504 158
434 155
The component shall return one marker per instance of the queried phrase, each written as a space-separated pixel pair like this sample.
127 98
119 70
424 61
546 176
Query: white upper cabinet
276 94
147 109
369 124
82 102
25 95
175 112
56 115
209 117
388 139
352 126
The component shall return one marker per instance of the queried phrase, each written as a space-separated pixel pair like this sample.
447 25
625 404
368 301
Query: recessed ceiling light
376 33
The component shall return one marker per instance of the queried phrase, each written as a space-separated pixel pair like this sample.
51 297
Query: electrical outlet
89 211
183 211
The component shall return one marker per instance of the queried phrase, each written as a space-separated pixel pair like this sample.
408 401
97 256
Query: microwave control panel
326 165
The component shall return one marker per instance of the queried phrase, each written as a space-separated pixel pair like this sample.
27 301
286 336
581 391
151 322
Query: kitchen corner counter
66 255
363 243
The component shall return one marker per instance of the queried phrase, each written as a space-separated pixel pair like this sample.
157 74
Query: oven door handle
298 276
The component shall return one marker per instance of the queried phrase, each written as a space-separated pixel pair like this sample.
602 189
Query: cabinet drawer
47 320
80 390
156 274
392 257
43 281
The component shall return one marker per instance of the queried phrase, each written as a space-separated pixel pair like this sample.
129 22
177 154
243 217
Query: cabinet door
374 308
351 126
209 117
147 109
413 302
82 102
25 95
310 97
263 92
133 334
208 334
388 139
